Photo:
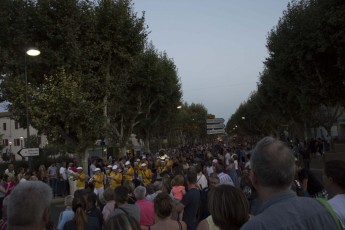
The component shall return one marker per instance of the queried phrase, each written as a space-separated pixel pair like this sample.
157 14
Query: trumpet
91 179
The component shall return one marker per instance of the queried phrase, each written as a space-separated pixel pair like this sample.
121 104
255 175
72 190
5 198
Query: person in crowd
310 185
98 180
203 208
229 209
71 171
9 183
63 182
93 167
10 170
145 174
223 177
42 174
130 186
52 174
81 220
334 181
115 177
157 188
249 191
201 180
91 209
128 172
147 216
122 206
110 203
80 177
163 207
122 222
67 214
273 171
20 174
3 220
29 205
190 202
178 190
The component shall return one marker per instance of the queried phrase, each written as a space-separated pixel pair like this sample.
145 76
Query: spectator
334 181
63 182
157 188
67 214
201 180
273 167
122 222
190 202
163 206
147 215
110 203
52 173
122 206
91 209
29 205
81 220
4 220
223 177
229 209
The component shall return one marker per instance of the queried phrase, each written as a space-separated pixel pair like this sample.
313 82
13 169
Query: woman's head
163 205
228 206
178 181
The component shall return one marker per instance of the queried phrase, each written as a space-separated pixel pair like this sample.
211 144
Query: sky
218 46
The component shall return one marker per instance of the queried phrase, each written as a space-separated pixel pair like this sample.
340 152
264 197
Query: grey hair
273 163
140 192
27 203
157 185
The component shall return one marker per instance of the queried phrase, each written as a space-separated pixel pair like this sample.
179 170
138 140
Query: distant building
14 137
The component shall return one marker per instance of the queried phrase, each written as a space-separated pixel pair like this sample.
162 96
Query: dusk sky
218 46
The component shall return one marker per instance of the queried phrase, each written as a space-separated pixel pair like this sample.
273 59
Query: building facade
14 136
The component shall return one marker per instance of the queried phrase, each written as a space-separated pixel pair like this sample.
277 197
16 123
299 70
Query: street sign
215 131
215 121
29 152
216 126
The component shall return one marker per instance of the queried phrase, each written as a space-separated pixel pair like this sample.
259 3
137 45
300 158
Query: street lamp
21 142
32 53
10 143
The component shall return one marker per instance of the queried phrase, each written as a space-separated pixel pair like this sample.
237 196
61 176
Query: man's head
191 177
272 164
121 195
214 181
140 192
26 197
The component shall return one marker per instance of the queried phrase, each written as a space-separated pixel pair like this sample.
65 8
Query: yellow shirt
117 182
161 169
128 175
146 176
170 163
99 177
80 180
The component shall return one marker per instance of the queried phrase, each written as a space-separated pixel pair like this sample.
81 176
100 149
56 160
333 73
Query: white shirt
338 205
62 172
201 181
225 179
227 158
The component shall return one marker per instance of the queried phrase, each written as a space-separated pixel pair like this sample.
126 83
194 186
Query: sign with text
216 126
29 152
215 131
215 121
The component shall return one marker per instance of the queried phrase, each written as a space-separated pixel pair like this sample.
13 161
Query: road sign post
215 126
29 152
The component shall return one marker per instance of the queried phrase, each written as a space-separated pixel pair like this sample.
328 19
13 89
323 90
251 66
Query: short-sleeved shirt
191 202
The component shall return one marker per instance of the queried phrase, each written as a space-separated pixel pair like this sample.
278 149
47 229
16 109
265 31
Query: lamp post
21 142
33 53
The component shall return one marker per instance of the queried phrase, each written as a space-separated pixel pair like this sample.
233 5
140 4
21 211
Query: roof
5 114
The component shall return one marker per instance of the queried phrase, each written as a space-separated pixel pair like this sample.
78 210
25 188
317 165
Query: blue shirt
65 216
287 211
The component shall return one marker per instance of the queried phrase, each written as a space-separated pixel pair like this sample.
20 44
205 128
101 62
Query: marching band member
115 177
80 177
107 180
128 173
98 179
145 174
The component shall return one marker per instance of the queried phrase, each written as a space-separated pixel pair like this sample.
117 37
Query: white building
14 137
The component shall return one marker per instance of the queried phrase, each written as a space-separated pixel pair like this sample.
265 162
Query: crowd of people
206 187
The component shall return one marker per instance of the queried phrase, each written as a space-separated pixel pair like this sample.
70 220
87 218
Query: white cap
162 158
138 160
127 163
143 165
215 161
144 157
97 169
109 166
79 168
114 167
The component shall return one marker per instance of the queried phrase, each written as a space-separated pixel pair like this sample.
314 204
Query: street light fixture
21 142
32 53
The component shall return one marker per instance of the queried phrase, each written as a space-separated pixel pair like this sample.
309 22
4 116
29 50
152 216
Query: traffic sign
29 152
215 131
215 121
216 126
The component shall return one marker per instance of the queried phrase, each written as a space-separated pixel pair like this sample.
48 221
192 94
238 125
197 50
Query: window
5 142
4 126
16 125
16 142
